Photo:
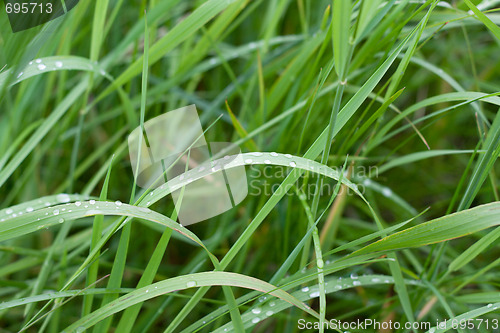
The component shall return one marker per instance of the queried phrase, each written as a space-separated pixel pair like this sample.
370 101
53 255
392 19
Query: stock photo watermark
266 180
24 15
173 144
373 325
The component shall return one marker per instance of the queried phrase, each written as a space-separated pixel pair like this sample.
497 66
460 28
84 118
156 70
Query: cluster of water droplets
262 311
56 211
39 65
268 159
335 284
35 205
252 158
257 314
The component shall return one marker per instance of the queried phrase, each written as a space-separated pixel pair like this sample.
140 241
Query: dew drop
256 310
354 276
191 284
305 289
256 154
248 161
375 280
41 67
92 202
147 290
490 305
61 220
78 204
274 154
56 212
269 313
314 294
267 162
8 211
255 320
320 263
288 156
38 61
293 165
118 203
386 192
59 64
19 75
272 304
356 283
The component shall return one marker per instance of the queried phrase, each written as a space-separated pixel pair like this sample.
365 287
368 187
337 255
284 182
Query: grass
382 202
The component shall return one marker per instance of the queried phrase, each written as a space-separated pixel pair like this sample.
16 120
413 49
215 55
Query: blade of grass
97 227
495 30
182 283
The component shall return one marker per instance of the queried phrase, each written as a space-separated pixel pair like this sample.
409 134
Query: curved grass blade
439 230
34 205
47 217
52 64
182 283
451 322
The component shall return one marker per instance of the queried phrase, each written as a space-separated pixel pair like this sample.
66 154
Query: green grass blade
439 230
341 31
185 282
97 227
495 30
